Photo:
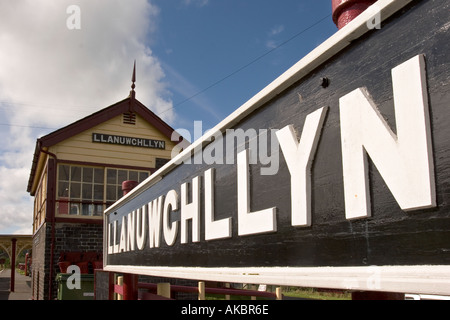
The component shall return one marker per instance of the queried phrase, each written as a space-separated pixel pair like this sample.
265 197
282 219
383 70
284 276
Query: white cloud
51 76
42 62
271 43
276 30
16 210
199 3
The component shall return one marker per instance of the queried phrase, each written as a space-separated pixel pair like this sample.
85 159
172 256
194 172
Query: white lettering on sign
251 222
220 229
141 234
154 211
404 160
190 211
128 141
170 229
131 231
123 236
299 158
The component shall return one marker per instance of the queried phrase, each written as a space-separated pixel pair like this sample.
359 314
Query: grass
232 297
311 293
295 292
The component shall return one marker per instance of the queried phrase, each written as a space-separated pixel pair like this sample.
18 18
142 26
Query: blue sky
197 60
205 42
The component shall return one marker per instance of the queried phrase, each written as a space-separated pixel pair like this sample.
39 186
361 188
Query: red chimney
345 11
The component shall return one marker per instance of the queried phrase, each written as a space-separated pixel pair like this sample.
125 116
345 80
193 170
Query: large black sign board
398 216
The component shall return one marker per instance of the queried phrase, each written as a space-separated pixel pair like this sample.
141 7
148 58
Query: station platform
22 290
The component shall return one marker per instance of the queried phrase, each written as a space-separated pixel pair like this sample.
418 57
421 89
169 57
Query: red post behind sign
130 289
128 185
345 11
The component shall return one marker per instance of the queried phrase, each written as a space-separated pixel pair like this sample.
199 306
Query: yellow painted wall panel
81 148
109 161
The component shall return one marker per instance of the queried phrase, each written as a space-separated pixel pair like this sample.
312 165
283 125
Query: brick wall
40 254
78 237
69 237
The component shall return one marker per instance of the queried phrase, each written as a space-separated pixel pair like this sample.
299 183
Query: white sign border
434 280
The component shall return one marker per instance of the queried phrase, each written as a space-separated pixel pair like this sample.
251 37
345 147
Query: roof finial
133 78
132 92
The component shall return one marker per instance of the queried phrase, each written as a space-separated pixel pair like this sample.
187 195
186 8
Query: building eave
93 120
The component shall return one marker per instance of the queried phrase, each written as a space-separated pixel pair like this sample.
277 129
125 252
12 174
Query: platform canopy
13 245
22 242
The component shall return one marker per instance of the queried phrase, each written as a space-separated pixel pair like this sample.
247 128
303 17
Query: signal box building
77 172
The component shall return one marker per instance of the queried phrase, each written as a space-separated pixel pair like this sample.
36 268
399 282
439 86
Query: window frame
40 201
82 203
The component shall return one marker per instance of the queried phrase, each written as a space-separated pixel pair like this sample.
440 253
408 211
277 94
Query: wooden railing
127 288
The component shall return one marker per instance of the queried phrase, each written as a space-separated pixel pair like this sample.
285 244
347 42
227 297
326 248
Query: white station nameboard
342 185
